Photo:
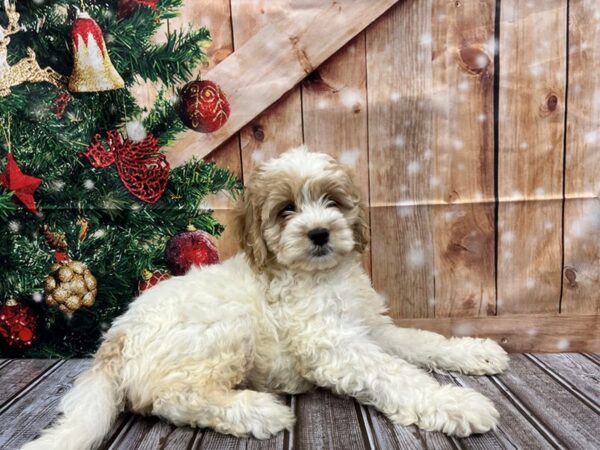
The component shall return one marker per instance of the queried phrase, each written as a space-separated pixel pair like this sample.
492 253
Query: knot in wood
258 133
571 277
474 60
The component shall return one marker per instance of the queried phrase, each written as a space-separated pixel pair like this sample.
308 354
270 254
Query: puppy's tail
89 409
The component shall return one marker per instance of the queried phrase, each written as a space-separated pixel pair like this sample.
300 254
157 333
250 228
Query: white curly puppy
296 310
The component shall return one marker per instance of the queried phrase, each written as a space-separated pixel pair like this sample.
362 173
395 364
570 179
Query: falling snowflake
427 154
532 332
425 39
523 145
415 258
508 237
462 329
535 69
350 157
434 181
99 234
14 226
37 297
413 168
482 117
351 98
563 344
530 283
540 191
399 140
88 184
395 96
258 156
590 137
322 104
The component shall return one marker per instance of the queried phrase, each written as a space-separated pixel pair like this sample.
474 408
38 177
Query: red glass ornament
18 325
203 106
190 248
151 279
142 169
126 7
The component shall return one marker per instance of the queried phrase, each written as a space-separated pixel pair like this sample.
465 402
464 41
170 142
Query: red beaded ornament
18 325
142 169
203 106
190 248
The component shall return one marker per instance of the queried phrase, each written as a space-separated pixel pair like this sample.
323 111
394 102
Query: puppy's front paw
270 420
458 412
481 357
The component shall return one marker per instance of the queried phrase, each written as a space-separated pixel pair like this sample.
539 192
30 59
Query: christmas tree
87 199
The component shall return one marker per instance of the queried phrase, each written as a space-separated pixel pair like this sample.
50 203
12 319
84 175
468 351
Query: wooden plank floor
545 400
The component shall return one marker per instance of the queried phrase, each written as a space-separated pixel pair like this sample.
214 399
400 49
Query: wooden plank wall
474 128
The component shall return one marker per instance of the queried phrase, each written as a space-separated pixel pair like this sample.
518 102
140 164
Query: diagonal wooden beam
275 59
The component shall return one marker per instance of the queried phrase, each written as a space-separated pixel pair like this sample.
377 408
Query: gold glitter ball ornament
69 286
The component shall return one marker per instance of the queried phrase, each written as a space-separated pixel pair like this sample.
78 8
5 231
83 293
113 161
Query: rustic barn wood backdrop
473 126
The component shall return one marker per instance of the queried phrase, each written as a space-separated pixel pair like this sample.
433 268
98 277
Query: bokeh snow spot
508 237
563 344
462 329
350 157
415 257
413 168
399 140
351 98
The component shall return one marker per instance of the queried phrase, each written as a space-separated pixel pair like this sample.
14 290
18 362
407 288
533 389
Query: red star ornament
23 186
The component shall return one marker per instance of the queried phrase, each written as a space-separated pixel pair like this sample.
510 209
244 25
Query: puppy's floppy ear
248 228
361 225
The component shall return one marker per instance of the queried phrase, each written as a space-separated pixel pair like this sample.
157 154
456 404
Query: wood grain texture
20 373
530 162
399 126
462 155
216 441
581 272
276 58
521 332
316 410
279 127
37 408
151 433
573 423
573 371
334 107
390 436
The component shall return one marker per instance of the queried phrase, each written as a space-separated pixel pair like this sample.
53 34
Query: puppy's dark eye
289 208
331 202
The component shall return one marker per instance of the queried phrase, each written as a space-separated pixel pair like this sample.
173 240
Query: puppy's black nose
319 236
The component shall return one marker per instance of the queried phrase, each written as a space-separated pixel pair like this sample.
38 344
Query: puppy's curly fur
294 311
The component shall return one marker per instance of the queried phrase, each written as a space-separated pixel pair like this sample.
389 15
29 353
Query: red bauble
18 325
203 106
126 7
152 279
190 248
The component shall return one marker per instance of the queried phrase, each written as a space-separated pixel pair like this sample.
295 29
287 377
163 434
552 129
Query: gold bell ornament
93 70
